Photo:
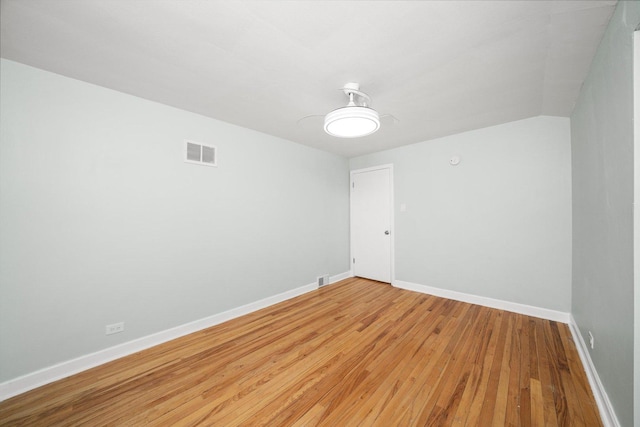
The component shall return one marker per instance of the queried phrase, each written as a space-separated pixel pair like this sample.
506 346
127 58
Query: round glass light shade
351 122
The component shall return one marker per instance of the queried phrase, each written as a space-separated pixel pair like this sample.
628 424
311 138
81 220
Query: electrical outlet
115 328
591 340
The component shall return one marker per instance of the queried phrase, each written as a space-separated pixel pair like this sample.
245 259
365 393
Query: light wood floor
354 353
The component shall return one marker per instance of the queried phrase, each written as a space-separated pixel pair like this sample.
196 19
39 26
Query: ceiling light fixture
354 120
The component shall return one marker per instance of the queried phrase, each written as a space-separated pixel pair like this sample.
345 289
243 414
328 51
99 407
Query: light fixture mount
355 120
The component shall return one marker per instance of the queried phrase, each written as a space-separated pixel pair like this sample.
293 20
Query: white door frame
388 166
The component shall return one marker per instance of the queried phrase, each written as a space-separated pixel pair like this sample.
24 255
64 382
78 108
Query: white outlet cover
114 328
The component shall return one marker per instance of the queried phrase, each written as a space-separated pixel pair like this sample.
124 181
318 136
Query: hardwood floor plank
357 352
382 386
453 361
430 374
485 388
525 375
537 403
590 411
548 389
468 361
512 415
554 366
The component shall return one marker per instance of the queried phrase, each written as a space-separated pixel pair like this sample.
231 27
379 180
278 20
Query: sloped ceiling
439 67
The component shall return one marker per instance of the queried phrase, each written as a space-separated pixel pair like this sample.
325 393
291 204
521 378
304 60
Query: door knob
386 232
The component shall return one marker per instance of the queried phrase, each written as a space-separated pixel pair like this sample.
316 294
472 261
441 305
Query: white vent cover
323 280
200 154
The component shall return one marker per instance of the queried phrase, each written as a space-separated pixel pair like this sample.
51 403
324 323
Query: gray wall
636 228
602 159
101 220
498 225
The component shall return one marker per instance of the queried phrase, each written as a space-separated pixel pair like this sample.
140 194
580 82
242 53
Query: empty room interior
331 213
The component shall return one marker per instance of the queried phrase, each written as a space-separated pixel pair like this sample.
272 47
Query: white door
371 223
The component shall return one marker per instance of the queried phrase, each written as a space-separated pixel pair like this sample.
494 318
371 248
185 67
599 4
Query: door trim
388 166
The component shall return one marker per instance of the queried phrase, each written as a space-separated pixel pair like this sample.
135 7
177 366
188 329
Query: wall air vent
323 280
200 154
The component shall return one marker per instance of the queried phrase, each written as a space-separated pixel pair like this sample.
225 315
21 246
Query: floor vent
200 154
323 280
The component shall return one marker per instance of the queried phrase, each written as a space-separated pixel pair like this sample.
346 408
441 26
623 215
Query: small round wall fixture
352 122
454 161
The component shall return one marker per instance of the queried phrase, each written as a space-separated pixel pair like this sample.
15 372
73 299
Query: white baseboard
529 310
53 373
607 413
341 276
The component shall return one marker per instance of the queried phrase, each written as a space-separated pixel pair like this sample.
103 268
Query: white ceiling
440 67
